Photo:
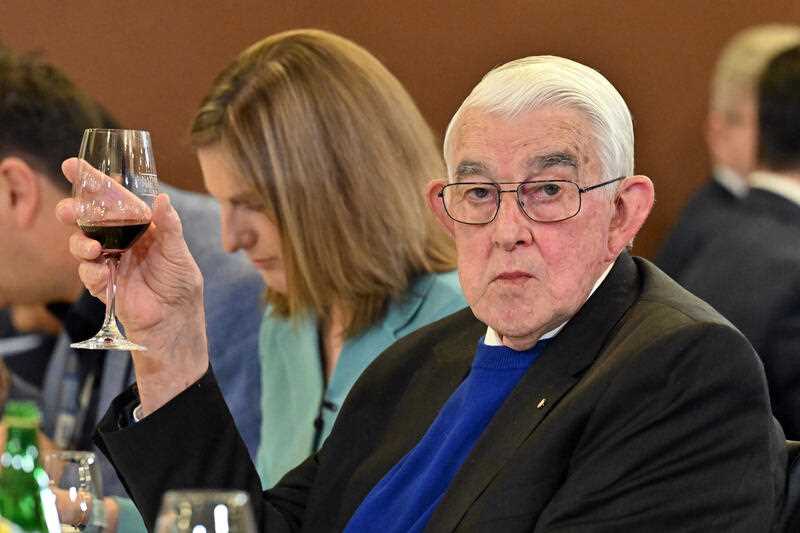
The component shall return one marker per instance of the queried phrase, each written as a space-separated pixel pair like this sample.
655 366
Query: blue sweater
407 495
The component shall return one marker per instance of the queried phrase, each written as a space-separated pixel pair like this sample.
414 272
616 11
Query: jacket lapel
450 366
556 371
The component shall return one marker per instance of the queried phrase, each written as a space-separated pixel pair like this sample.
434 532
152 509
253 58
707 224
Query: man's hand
159 299
70 513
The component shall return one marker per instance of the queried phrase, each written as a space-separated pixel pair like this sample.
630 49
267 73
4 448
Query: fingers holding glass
114 189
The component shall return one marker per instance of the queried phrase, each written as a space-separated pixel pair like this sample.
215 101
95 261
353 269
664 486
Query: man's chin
511 321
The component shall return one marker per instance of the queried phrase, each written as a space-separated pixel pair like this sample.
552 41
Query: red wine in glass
115 236
114 194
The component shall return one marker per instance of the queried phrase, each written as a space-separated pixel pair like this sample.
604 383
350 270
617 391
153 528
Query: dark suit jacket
648 412
707 213
751 274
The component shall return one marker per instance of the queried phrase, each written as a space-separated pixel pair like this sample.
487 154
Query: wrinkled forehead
487 143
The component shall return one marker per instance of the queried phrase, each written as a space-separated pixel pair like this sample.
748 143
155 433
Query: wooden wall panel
150 62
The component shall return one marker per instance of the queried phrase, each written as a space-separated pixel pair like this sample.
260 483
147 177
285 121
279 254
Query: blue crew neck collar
503 357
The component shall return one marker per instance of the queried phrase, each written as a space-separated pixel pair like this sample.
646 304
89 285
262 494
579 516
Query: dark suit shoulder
773 206
709 209
666 298
663 331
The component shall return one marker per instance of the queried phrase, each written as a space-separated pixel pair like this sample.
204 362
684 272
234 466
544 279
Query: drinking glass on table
205 511
114 193
75 481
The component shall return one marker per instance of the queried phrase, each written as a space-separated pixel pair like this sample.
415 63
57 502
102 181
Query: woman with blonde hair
319 157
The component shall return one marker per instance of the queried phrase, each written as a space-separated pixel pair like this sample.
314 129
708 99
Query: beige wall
150 62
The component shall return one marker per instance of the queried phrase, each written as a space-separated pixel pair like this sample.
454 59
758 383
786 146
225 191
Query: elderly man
583 390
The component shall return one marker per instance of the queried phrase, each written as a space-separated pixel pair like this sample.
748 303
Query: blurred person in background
731 135
751 271
42 119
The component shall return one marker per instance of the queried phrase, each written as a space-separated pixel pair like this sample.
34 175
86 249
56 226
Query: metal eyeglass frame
496 185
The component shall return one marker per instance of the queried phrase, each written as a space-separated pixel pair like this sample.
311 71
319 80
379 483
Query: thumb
70 169
165 217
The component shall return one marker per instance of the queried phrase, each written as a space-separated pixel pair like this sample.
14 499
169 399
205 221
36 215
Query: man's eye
477 192
550 189
542 191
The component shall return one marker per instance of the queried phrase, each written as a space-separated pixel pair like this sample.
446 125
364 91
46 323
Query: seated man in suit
42 118
751 272
731 132
582 390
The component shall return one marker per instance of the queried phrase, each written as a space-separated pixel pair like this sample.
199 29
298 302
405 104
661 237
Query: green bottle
25 499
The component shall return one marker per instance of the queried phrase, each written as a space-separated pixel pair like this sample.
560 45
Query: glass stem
110 328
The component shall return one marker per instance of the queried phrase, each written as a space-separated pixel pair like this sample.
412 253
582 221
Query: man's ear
436 204
632 205
20 191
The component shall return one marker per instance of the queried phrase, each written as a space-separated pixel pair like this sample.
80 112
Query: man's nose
511 226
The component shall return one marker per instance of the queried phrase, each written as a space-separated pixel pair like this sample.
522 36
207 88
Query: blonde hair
744 59
339 155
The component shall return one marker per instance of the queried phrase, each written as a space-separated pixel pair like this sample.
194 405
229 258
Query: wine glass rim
112 130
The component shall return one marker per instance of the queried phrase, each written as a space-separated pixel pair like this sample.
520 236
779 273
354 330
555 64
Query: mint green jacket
293 389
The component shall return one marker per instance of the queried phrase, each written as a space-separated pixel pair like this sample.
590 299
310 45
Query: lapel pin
541 403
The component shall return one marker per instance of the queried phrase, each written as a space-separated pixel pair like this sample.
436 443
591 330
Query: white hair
548 81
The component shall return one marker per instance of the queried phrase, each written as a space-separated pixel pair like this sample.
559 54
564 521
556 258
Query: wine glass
114 192
75 482
205 511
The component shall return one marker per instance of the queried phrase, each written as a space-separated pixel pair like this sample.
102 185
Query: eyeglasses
541 201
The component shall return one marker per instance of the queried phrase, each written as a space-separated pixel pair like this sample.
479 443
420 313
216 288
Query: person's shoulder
670 318
709 200
666 300
765 229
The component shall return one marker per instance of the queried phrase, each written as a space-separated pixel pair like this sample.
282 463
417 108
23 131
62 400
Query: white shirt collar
493 339
731 181
779 184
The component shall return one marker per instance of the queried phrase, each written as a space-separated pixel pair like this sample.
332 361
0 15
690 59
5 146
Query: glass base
107 342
